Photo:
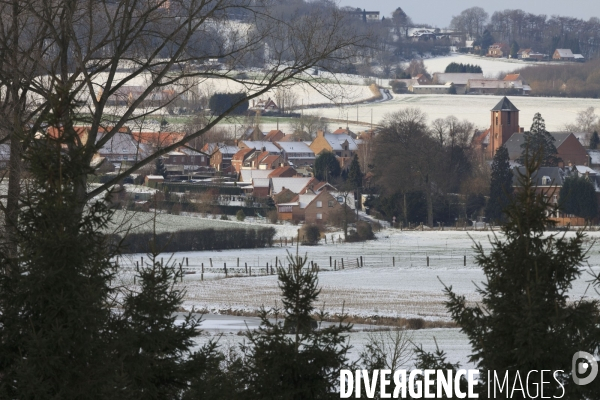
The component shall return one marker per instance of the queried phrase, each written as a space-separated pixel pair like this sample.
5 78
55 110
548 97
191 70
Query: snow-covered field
491 67
394 281
556 111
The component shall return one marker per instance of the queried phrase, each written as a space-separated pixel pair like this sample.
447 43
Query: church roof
505 105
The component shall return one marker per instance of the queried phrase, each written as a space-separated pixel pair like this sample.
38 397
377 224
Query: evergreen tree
55 320
538 139
294 358
327 166
355 175
60 337
526 320
578 197
594 140
159 167
500 186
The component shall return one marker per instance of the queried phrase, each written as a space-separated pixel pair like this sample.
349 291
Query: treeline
569 80
197 240
456 67
535 31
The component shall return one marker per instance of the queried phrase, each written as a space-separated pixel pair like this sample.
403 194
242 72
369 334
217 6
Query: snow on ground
556 111
139 221
395 279
491 67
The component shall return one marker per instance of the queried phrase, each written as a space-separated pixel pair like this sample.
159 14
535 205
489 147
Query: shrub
310 234
224 217
240 215
364 231
272 216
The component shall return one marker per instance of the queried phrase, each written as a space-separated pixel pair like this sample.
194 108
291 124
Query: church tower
505 122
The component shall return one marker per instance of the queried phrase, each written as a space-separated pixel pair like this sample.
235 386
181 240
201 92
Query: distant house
220 155
158 139
186 159
422 79
264 105
283 172
364 15
459 79
295 184
296 153
274 135
498 50
569 149
530 55
495 86
259 145
238 159
344 131
123 148
566 55
430 89
311 208
342 145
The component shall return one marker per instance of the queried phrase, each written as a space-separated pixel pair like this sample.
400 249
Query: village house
498 50
430 89
342 145
566 55
310 208
264 105
422 79
297 154
548 182
123 148
495 86
220 155
158 140
259 145
530 55
274 135
186 159
569 148
295 184
459 79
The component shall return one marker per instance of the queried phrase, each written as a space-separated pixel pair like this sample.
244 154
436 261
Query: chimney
521 130
320 133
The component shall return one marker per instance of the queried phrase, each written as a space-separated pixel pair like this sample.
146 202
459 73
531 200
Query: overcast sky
438 13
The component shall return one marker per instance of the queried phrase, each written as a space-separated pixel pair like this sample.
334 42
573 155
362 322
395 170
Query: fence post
246 266
210 259
187 262
142 261
250 270
335 265
428 261
238 263
393 261
361 262
137 266
465 261
276 261
225 268
329 262
342 262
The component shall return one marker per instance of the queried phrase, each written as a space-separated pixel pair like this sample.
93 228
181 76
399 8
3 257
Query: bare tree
471 21
64 60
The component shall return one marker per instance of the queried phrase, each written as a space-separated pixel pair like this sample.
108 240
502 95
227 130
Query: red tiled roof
158 138
281 170
269 160
241 155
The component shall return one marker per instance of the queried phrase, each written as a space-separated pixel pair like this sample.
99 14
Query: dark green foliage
500 186
475 204
526 320
310 234
156 351
305 364
201 239
224 217
159 167
55 325
578 197
594 141
452 89
355 175
363 231
399 87
456 67
327 166
240 216
514 49
539 140
60 335
437 360
485 41
220 103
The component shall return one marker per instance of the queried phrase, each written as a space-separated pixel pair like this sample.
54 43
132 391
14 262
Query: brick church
505 130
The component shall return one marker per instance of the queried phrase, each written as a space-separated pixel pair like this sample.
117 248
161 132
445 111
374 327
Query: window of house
319 216
546 180
330 203
496 119
508 118
125 157
319 204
